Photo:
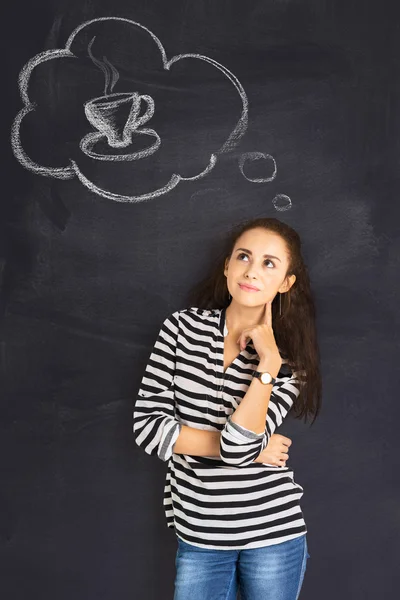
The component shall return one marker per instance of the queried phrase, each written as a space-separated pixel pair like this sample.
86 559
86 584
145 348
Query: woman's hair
295 330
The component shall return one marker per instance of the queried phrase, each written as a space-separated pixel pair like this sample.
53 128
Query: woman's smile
247 288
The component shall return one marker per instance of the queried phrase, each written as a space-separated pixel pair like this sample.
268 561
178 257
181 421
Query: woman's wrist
265 365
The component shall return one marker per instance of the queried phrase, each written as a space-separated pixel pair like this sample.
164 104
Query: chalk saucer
88 142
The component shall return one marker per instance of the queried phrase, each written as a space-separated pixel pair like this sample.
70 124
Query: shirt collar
221 324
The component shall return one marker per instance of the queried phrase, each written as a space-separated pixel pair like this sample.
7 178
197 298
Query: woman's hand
264 341
276 452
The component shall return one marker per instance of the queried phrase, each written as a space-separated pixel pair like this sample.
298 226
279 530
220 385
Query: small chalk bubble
282 202
247 157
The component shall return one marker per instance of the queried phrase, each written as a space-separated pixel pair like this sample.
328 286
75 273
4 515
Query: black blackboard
285 109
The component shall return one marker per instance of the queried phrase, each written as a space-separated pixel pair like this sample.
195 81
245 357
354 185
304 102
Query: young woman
221 378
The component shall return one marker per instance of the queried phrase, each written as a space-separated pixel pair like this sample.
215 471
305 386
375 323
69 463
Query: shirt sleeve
155 425
240 446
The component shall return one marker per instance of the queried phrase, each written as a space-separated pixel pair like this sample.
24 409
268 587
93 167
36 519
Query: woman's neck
239 317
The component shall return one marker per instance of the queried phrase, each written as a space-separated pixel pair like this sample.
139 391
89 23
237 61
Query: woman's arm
155 425
197 442
240 442
252 410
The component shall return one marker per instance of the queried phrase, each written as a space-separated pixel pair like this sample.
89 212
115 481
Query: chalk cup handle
149 111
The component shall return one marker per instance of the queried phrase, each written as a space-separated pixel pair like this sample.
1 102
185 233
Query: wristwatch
264 377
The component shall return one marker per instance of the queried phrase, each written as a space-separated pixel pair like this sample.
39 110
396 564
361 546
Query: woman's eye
267 260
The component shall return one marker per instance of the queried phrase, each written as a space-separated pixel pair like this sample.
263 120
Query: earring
280 304
229 296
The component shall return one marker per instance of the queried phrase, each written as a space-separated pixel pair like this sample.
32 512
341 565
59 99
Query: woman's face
260 259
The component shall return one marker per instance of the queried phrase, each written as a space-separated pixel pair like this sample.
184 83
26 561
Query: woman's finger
244 336
242 341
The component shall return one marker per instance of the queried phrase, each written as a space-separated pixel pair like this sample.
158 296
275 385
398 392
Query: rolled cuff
240 433
167 445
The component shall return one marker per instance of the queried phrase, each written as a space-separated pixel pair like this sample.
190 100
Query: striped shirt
230 501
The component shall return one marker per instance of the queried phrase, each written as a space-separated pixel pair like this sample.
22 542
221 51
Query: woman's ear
289 282
226 265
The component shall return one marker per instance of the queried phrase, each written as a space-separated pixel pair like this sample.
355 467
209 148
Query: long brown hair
295 329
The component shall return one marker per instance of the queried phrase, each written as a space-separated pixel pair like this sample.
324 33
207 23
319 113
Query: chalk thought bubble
102 113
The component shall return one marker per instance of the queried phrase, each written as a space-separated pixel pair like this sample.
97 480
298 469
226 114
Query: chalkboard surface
138 132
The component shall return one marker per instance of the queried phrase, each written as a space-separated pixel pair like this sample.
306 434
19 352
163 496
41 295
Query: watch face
266 378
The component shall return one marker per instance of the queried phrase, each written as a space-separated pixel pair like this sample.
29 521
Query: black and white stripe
220 502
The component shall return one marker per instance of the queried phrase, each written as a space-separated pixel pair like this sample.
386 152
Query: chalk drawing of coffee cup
117 119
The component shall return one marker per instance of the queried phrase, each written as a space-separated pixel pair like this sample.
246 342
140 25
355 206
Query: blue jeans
273 572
